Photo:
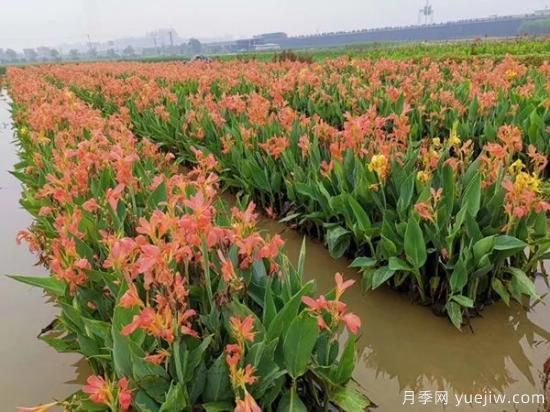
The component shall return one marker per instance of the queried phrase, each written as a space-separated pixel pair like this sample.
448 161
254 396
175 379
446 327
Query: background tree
111 54
129 52
30 55
54 55
92 54
11 55
195 46
74 54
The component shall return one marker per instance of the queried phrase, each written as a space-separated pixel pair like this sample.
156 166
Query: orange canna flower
247 405
243 328
39 408
341 286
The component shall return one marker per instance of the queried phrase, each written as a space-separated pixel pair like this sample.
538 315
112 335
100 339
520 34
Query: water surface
30 371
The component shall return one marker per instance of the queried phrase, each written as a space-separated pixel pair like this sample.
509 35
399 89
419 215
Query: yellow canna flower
454 140
516 167
526 181
379 165
423 176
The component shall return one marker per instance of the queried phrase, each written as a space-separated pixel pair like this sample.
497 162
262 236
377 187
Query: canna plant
176 302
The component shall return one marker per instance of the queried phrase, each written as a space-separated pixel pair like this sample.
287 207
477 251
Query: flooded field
403 347
30 371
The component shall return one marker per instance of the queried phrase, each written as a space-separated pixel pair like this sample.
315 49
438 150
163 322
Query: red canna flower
98 389
352 322
124 394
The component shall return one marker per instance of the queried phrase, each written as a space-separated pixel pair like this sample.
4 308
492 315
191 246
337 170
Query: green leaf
398 264
415 247
283 318
298 345
302 258
49 284
506 242
521 282
455 313
346 364
406 194
350 400
338 241
270 310
381 275
472 196
121 344
459 277
361 216
500 289
483 247
218 386
218 407
144 403
291 402
175 399
463 301
363 262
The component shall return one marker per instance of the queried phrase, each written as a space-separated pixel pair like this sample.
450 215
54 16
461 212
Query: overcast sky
31 23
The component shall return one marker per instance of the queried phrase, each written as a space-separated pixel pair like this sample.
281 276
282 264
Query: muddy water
403 347
30 371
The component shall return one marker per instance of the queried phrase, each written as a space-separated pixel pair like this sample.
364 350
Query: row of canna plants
428 97
453 221
176 302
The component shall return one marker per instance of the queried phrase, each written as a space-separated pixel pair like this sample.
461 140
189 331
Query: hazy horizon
25 24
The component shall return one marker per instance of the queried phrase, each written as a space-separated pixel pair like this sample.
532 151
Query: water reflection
405 347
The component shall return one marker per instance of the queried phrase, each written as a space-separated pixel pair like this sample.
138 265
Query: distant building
271 37
267 46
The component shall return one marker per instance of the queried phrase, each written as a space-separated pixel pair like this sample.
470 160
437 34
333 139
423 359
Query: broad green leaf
463 301
363 262
218 386
298 345
471 200
455 313
483 247
521 282
49 284
415 247
291 402
361 216
506 242
500 289
459 277
342 373
398 264
338 241
282 320
175 399
350 400
381 275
